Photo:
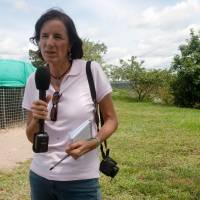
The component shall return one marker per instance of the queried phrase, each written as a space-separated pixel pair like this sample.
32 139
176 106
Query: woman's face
54 42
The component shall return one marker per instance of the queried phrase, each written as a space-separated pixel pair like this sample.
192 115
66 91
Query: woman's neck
59 70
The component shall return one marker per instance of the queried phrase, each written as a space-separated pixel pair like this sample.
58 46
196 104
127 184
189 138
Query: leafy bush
186 86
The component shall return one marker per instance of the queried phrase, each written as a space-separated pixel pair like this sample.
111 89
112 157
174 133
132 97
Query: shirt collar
75 68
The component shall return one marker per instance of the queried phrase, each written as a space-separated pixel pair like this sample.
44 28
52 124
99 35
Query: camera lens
114 171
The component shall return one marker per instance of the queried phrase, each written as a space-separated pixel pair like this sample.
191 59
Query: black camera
40 142
109 167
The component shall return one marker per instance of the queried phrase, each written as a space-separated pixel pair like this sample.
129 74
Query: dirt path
14 148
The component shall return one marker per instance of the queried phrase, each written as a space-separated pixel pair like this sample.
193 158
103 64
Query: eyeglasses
54 109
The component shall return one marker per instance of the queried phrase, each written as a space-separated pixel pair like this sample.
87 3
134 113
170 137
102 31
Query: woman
77 176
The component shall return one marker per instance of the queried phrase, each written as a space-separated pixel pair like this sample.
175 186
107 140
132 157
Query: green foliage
35 59
164 91
186 86
145 83
139 80
94 50
116 73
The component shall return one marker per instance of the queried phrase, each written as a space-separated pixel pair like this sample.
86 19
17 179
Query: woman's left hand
79 148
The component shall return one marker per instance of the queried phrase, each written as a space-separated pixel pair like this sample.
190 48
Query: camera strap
98 115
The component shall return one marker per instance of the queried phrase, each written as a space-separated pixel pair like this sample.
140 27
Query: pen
59 161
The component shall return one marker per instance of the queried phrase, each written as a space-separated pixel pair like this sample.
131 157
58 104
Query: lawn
157 148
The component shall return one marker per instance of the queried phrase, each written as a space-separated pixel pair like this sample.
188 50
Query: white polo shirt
75 106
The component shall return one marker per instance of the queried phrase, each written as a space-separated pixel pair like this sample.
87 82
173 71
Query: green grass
14 184
157 148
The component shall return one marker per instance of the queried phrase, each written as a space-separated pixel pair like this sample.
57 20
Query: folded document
82 132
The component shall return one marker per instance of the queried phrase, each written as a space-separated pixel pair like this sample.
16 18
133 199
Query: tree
92 51
115 73
35 59
143 82
186 87
164 91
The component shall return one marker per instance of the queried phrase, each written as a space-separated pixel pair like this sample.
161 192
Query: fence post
4 111
23 114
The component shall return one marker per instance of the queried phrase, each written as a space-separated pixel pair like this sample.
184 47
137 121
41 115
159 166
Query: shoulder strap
92 91
91 81
98 115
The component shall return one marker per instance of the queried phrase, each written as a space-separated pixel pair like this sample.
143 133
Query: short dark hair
74 39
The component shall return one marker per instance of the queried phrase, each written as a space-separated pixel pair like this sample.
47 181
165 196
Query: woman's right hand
39 109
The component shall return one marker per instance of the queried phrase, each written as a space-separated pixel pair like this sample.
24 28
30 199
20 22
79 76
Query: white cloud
115 53
21 5
156 33
130 29
12 47
157 62
91 32
168 17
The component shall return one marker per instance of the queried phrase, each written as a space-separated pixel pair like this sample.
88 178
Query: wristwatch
98 142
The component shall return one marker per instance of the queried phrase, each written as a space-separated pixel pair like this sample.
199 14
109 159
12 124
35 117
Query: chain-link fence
120 84
11 112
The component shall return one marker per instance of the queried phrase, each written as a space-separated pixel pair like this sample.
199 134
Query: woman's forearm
107 129
110 118
31 129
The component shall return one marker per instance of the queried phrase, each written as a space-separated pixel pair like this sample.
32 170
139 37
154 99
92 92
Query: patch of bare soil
14 147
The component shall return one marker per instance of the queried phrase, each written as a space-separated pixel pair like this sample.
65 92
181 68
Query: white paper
82 132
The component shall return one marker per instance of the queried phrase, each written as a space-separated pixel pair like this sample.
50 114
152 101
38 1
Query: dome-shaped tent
14 73
13 77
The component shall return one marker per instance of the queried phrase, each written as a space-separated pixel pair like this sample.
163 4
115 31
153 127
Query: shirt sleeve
101 82
30 93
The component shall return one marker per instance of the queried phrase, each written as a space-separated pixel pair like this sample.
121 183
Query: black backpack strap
98 115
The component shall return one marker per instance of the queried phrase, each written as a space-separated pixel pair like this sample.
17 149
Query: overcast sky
152 30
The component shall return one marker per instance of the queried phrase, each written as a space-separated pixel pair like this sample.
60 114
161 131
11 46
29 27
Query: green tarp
14 73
